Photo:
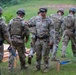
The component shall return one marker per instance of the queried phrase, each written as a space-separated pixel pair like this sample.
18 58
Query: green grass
31 7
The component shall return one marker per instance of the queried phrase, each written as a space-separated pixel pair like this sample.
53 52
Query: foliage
3 3
8 17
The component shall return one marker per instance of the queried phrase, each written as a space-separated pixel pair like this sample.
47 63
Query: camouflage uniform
4 35
56 32
43 28
69 33
18 30
33 32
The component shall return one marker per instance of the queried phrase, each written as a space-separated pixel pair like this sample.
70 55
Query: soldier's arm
26 32
63 26
31 22
51 28
6 34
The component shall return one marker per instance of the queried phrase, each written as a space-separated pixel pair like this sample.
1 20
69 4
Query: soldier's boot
38 67
54 59
30 59
24 67
63 56
46 70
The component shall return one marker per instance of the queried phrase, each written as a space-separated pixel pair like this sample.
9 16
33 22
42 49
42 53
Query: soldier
19 31
43 27
69 32
33 38
4 35
57 31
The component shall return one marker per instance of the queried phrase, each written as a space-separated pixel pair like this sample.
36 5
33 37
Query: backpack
16 30
16 27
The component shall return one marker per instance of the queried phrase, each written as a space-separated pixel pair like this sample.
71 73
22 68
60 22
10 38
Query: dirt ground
57 6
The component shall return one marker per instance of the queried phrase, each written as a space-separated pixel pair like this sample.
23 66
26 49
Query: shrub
8 16
8 2
14 2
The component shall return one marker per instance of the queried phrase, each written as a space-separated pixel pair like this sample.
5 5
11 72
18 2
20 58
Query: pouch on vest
16 27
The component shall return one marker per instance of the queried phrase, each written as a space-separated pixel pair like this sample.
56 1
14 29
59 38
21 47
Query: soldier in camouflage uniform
19 35
33 38
43 27
69 32
57 31
4 35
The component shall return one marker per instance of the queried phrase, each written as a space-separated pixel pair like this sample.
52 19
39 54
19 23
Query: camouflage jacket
32 28
43 26
4 34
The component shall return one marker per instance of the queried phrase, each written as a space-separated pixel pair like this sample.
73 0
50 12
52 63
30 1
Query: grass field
31 7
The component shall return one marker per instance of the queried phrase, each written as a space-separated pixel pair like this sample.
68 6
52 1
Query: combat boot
38 68
46 70
30 59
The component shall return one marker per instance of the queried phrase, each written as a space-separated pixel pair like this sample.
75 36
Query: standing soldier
69 32
57 31
4 35
19 31
43 27
33 38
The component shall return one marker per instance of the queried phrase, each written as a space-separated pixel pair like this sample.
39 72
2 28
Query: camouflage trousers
42 49
1 52
67 36
32 49
56 40
21 53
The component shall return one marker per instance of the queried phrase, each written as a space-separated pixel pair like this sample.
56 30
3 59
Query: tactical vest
16 27
69 22
1 33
